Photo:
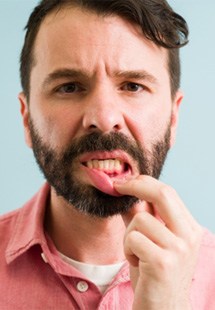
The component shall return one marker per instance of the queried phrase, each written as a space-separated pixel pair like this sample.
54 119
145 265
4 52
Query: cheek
150 126
57 128
61 131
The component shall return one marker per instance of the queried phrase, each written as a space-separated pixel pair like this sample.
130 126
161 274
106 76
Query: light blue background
190 165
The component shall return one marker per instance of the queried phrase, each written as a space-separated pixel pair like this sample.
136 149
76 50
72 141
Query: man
100 106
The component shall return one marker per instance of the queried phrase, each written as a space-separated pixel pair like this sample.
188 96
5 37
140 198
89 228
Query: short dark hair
158 21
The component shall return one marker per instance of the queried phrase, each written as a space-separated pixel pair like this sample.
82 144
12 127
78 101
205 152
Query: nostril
117 127
92 126
104 120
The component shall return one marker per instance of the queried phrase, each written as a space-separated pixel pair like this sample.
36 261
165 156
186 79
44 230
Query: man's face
100 107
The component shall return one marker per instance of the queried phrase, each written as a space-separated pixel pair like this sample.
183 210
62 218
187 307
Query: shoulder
8 224
208 241
7 220
203 285
37 201
206 265
19 224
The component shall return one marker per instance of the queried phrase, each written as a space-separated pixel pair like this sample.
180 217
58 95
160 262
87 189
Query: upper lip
104 155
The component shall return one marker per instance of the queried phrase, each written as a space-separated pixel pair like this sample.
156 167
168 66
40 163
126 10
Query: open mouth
102 169
112 167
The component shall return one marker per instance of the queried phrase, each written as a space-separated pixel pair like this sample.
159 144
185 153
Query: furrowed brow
64 74
137 75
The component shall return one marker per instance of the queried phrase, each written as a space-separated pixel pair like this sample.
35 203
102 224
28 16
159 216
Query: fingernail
120 181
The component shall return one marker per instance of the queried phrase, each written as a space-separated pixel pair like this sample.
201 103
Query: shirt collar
28 225
29 231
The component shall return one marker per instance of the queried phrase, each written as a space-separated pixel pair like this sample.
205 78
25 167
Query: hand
162 250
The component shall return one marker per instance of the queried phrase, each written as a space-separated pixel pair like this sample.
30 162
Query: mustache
149 161
97 141
91 142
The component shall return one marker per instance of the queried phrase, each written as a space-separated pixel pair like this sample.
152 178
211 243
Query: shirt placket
84 293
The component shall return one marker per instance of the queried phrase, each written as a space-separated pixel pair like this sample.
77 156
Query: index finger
164 199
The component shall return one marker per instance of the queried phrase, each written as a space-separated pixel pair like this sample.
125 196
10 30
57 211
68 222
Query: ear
175 114
24 109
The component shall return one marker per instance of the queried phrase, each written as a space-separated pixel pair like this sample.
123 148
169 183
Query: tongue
102 182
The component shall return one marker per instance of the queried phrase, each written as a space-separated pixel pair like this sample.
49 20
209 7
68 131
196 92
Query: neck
84 238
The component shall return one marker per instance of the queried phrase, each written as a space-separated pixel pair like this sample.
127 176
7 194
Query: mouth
112 167
101 169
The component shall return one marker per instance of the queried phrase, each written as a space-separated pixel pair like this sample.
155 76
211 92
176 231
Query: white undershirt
100 275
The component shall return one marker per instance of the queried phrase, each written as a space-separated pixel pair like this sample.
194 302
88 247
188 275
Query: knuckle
139 218
194 240
142 177
181 248
166 191
130 238
166 263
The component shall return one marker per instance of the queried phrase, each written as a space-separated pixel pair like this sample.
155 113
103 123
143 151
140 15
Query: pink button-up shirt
33 276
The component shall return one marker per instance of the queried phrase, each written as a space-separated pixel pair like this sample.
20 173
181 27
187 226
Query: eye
133 87
69 88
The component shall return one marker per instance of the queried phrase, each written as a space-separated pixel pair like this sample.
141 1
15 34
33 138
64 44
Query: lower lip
102 181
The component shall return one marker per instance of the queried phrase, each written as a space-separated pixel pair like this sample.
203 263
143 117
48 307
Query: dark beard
57 169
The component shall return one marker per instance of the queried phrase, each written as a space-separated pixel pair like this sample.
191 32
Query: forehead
76 37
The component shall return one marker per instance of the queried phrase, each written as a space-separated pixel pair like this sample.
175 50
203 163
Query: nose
103 112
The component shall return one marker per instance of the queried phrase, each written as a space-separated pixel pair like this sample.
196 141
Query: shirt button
82 286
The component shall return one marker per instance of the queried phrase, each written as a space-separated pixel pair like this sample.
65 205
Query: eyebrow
80 74
64 74
137 75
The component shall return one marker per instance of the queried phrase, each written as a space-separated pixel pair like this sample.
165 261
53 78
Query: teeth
100 164
111 164
95 164
90 164
106 165
117 164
